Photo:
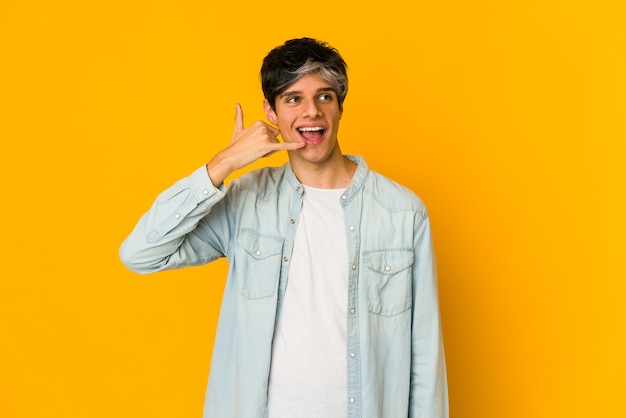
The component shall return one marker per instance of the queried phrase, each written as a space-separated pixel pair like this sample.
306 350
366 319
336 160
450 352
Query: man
330 307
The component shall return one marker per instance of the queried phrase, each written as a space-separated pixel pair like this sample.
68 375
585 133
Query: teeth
311 129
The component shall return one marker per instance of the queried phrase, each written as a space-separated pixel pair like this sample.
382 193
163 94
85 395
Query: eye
326 97
292 99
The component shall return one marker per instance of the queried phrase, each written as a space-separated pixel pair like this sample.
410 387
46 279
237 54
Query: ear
269 112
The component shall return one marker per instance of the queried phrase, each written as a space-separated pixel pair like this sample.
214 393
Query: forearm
172 233
220 167
429 392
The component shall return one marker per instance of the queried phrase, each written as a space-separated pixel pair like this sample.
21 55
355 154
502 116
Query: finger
271 129
265 127
286 146
238 118
274 131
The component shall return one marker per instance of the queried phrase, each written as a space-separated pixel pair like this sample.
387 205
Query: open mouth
311 133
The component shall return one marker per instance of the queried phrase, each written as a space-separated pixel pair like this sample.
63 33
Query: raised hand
246 146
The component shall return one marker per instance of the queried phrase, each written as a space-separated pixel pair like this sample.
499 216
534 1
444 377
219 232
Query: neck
333 174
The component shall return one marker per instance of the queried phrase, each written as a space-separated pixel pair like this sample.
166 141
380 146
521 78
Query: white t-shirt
308 377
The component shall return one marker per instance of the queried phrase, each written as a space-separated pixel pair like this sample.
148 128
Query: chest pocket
258 261
387 279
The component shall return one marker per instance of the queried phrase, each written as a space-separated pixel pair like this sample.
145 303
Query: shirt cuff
201 186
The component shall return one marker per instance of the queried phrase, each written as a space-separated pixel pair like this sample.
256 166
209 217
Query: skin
316 161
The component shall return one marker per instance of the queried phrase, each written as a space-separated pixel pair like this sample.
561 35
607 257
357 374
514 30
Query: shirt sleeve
429 391
188 224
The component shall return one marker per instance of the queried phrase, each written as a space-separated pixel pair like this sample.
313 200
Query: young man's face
308 111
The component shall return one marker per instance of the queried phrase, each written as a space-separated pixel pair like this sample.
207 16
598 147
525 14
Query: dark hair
286 64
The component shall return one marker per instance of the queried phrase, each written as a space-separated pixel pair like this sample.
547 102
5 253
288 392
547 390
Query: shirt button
352 311
344 197
293 221
297 189
352 400
387 268
351 228
258 252
285 259
353 355
178 216
354 267
206 192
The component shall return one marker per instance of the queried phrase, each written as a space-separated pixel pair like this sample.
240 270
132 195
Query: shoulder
392 195
260 181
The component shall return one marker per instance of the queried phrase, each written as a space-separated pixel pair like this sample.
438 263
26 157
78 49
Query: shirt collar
356 184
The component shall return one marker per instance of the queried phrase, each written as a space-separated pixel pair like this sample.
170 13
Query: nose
311 109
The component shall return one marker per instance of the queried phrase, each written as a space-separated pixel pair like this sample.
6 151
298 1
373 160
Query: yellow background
507 117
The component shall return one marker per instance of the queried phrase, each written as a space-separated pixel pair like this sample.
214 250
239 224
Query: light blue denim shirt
394 352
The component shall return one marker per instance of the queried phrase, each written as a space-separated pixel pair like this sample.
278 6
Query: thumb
238 118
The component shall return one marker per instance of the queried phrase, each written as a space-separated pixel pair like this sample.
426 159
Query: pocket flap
259 246
389 261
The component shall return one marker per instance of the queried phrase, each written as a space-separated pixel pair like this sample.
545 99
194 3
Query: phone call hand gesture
246 146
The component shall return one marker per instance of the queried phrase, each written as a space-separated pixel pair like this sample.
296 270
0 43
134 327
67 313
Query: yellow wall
507 117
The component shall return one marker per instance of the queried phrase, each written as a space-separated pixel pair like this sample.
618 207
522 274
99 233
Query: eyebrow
296 92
